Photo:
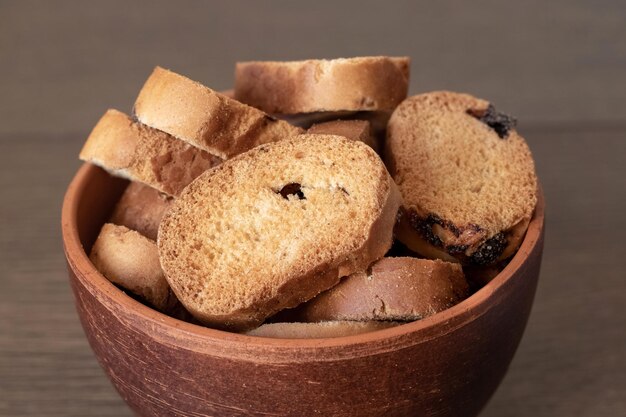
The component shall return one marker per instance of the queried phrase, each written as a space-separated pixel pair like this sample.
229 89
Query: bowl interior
90 199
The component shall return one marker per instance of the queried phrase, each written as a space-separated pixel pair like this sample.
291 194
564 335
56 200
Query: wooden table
571 360
558 66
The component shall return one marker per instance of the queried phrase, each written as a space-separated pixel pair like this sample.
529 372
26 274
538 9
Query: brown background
559 66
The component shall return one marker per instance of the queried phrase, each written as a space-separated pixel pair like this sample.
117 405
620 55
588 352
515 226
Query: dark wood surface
65 61
559 66
571 360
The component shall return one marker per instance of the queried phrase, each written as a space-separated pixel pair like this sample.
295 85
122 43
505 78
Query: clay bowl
446 365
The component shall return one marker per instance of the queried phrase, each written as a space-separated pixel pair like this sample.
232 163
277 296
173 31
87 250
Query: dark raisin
500 122
455 230
456 249
489 251
434 219
425 227
293 188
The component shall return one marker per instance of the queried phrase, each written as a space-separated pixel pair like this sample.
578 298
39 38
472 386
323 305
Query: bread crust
131 261
141 208
205 118
398 289
302 268
318 330
344 84
129 149
351 129
469 188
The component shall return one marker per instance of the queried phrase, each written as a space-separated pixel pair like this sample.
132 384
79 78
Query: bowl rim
429 327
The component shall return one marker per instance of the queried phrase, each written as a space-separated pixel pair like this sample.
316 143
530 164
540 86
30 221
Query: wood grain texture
570 361
541 61
557 65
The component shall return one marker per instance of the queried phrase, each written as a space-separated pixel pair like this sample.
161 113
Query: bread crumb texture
450 164
138 152
275 226
205 118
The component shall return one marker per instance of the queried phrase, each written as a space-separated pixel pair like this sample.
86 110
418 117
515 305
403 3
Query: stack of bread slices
314 200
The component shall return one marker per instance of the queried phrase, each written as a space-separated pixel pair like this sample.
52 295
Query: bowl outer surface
446 365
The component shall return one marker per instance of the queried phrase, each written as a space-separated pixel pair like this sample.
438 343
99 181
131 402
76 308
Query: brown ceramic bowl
446 365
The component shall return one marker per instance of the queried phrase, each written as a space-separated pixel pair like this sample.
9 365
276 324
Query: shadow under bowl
448 364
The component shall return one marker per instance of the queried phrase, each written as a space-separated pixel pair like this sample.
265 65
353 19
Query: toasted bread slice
306 120
131 261
319 330
205 118
467 178
351 129
398 289
140 209
364 83
378 119
274 227
132 150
